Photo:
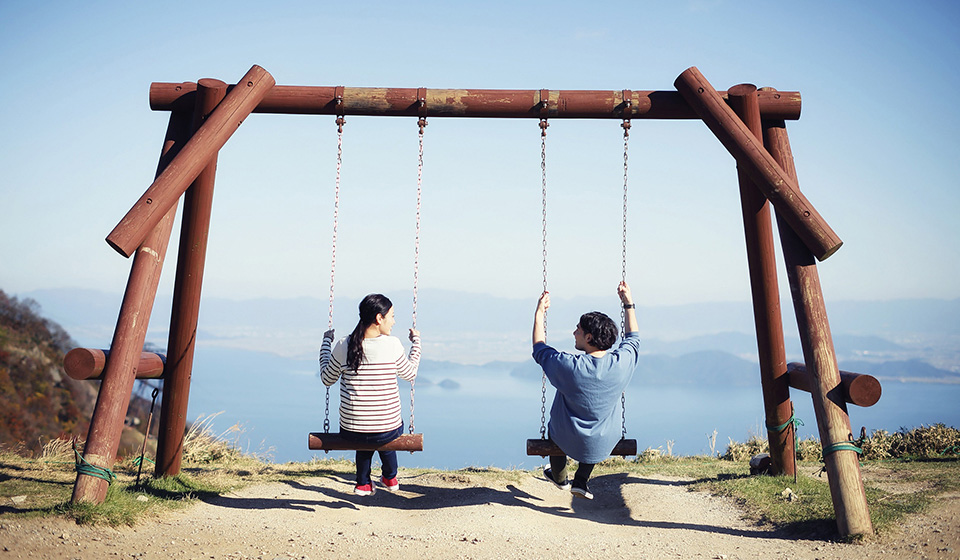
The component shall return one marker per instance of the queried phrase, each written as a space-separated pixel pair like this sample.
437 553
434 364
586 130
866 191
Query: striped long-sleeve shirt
369 396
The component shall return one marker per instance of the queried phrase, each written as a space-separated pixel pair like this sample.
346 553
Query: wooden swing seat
547 448
334 441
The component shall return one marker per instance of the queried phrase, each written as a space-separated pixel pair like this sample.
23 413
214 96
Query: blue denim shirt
583 419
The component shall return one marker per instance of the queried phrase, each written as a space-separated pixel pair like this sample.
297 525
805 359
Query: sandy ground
463 515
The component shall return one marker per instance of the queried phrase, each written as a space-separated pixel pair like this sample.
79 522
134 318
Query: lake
486 421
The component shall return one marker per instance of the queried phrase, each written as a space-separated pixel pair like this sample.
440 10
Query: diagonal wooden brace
202 147
780 189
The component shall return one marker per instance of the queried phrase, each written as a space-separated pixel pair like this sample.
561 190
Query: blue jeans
558 467
365 458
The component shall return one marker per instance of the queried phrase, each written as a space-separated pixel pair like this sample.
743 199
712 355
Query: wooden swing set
750 124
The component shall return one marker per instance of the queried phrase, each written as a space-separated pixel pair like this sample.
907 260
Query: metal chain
623 317
543 181
333 257
422 123
336 219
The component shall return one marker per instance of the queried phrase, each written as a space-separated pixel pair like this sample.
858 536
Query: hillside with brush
38 401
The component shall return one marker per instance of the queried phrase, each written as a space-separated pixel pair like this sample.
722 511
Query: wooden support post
103 438
547 448
202 147
778 186
195 225
842 466
336 442
89 363
762 261
856 388
473 103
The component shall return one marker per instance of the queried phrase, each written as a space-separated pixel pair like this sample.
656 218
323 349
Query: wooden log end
864 390
114 241
84 363
824 255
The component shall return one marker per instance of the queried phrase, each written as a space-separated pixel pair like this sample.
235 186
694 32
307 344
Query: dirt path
455 515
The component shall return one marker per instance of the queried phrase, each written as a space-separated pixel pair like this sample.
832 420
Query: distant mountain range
901 339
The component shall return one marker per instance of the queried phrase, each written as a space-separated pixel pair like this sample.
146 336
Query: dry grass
926 442
213 465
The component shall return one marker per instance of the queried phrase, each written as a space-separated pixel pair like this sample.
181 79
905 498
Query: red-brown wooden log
842 466
192 159
547 448
762 262
782 190
480 103
336 442
88 363
103 437
195 225
857 388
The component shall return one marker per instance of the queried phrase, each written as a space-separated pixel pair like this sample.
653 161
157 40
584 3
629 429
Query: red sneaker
365 489
392 484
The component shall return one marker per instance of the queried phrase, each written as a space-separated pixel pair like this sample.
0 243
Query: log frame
89 363
475 103
777 185
166 189
857 388
113 399
806 236
765 292
833 423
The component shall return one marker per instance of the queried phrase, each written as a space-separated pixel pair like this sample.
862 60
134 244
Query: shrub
925 442
744 451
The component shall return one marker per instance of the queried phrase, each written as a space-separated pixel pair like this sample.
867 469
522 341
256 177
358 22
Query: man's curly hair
600 327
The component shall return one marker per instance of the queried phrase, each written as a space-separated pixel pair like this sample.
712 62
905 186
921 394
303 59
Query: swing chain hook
544 106
338 100
422 109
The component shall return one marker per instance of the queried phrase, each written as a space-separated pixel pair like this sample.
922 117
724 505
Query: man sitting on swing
583 419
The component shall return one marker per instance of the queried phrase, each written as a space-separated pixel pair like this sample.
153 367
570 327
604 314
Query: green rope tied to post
850 445
843 446
793 421
85 467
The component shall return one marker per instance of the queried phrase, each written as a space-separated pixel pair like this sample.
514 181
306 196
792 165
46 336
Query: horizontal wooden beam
336 442
857 388
89 363
492 103
547 448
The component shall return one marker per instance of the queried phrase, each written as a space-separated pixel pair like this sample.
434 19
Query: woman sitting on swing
368 363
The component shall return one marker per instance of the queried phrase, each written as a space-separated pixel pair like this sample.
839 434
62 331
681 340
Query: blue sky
876 146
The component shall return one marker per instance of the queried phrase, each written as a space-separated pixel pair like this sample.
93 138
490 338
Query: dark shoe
548 472
581 490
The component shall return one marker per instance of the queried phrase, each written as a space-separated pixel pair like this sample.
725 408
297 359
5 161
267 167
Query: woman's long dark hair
370 307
